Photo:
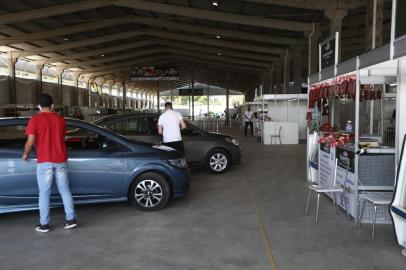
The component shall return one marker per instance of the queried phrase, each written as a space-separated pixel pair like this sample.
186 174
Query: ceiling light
215 3
102 55
219 54
218 37
65 38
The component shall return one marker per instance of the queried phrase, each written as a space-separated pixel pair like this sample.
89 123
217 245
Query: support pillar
172 95
400 108
286 70
271 80
117 83
38 81
11 63
89 79
158 100
278 78
374 24
336 17
75 78
297 68
124 105
313 51
59 72
208 100
267 82
193 97
100 82
227 101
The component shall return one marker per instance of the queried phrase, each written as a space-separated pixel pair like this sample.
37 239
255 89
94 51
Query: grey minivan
215 152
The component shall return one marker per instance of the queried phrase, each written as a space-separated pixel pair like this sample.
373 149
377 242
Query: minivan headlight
233 141
178 163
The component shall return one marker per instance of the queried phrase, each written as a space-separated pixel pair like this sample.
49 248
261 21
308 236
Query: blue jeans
45 175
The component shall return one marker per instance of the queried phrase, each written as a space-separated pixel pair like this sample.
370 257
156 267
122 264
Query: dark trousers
249 124
176 145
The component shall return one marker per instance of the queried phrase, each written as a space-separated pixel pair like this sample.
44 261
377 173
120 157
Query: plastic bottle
348 128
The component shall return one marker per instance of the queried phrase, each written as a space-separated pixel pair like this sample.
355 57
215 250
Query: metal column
193 97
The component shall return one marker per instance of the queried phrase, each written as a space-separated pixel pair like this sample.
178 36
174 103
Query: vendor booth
282 122
351 119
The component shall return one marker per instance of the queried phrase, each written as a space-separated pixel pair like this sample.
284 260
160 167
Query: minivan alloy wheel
148 193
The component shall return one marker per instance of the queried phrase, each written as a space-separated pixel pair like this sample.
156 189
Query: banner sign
327 156
189 92
347 179
329 52
153 73
400 22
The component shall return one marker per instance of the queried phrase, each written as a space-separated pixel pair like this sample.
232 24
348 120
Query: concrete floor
252 217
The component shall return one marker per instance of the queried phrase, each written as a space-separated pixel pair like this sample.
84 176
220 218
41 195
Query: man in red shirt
47 130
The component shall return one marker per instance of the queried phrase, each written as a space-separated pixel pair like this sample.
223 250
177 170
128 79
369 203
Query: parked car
215 152
102 167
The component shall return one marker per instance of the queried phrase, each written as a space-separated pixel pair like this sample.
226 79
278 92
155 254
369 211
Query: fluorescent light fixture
215 3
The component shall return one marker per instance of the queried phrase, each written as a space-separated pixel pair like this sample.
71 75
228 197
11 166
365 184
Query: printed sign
346 157
400 23
327 166
153 73
329 52
189 92
347 180
348 200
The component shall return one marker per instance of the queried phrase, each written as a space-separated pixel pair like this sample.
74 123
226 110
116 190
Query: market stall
350 118
283 117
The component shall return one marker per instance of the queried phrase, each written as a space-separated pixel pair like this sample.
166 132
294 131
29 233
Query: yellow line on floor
264 234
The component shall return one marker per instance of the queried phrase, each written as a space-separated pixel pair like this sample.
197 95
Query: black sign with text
346 158
190 92
328 52
400 24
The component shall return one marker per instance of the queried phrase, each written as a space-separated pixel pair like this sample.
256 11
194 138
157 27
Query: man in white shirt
169 125
248 117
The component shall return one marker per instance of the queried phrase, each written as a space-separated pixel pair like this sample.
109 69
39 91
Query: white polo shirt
170 122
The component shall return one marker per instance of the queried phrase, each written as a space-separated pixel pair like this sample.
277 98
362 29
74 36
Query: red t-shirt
49 129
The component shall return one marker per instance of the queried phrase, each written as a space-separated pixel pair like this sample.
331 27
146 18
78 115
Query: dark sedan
215 152
102 167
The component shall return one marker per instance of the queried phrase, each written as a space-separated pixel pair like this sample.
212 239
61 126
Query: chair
276 136
323 189
380 199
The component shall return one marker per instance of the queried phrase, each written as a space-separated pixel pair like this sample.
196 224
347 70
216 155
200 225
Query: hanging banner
329 52
153 73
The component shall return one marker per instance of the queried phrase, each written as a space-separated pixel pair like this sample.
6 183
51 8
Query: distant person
47 130
248 118
170 124
78 115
